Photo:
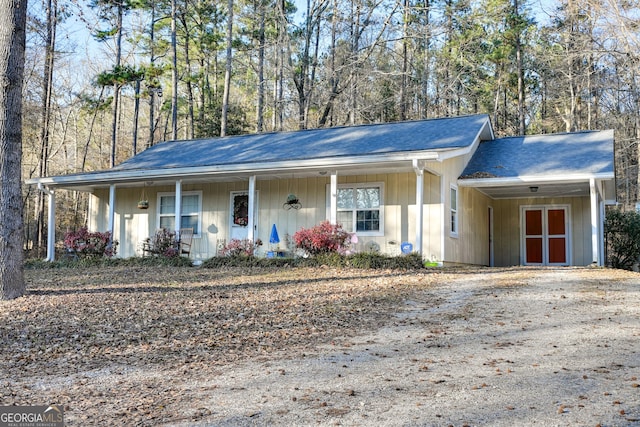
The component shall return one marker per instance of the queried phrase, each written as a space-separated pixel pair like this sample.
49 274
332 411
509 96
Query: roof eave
123 176
531 179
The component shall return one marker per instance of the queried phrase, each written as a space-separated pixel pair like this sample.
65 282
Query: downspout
51 223
419 204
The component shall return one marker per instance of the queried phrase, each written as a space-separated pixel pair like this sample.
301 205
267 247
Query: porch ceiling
533 189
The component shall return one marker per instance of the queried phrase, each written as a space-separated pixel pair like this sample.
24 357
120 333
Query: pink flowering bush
90 244
244 247
323 238
163 243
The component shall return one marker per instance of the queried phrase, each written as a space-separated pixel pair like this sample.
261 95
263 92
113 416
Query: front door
240 214
545 235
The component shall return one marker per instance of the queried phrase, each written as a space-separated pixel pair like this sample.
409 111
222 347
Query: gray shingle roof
351 141
543 155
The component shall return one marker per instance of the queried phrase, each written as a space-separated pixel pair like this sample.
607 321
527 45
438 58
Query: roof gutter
498 182
119 176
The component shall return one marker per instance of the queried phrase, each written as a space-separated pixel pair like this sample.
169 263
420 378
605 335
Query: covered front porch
205 202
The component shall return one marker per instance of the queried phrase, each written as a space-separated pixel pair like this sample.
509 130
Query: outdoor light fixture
533 189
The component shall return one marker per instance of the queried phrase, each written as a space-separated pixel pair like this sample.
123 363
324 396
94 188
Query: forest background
107 79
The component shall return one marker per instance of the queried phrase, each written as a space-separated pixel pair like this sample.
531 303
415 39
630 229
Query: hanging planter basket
144 202
292 202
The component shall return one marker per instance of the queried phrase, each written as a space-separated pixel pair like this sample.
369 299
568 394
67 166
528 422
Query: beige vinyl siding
471 246
507 228
133 225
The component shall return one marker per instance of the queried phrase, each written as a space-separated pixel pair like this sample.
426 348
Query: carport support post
593 192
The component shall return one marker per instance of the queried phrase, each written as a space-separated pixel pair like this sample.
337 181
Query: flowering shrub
163 242
84 242
323 238
237 247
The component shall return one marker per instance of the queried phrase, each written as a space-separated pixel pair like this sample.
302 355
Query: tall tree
112 12
13 16
227 71
47 88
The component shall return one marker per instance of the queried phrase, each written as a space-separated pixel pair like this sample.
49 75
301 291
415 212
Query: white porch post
112 210
333 196
419 204
595 252
443 216
601 259
178 213
252 204
51 223
51 228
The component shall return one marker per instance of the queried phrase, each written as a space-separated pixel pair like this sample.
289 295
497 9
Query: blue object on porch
406 247
274 238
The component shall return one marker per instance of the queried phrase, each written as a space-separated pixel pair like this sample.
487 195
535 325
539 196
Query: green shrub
161 261
375 260
622 238
365 260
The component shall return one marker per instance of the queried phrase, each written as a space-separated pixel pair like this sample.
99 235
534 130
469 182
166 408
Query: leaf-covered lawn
76 322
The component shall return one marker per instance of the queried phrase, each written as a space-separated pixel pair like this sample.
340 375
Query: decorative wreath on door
241 210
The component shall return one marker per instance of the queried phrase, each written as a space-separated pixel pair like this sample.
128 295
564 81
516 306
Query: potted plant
143 204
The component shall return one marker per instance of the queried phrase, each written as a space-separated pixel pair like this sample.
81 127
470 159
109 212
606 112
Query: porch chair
186 238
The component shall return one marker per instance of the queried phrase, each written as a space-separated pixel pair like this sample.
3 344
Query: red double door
546 236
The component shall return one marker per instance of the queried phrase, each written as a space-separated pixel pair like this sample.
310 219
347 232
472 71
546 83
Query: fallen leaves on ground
134 341
78 321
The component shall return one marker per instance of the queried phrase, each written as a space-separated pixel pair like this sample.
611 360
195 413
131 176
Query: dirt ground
498 347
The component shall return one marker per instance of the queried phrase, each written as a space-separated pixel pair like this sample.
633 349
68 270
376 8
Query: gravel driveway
496 347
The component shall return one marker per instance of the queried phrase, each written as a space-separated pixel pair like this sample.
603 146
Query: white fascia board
499 182
118 176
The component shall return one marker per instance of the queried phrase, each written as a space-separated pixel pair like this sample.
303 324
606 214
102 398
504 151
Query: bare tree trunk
278 116
334 80
521 96
405 60
152 90
116 87
227 72
12 49
174 72
47 88
261 82
355 46
136 114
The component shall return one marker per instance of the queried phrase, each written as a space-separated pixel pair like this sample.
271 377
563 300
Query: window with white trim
360 208
191 212
454 210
